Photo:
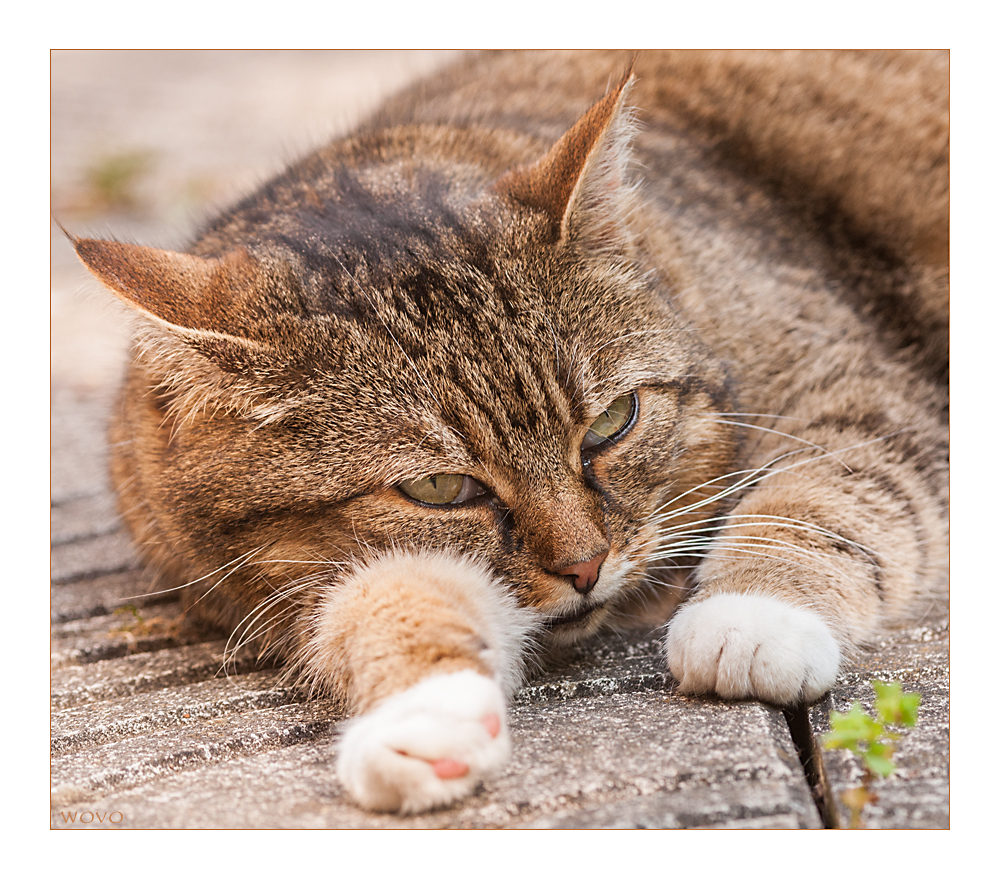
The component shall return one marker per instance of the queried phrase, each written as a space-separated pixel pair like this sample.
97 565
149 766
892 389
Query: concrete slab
90 597
79 428
92 557
116 720
110 768
89 516
140 673
644 759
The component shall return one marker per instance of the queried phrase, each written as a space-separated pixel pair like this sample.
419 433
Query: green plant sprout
870 739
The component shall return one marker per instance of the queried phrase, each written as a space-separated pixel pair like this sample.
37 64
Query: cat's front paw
741 646
427 746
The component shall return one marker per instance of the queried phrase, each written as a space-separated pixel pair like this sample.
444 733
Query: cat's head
412 340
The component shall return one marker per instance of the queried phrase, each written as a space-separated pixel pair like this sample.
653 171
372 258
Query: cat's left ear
581 183
186 292
218 306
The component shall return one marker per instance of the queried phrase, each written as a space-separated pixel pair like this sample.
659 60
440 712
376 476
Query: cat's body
444 391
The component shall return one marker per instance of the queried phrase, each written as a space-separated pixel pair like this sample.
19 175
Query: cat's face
516 401
410 355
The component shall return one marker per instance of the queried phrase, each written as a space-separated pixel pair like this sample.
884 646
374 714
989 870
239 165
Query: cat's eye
443 489
612 423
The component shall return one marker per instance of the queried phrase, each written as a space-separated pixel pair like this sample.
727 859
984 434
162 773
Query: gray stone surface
88 516
93 556
103 594
141 672
626 760
148 727
79 418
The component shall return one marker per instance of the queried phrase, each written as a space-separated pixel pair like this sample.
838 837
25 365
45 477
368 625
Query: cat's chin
572 628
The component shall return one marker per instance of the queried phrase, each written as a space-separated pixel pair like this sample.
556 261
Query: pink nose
585 573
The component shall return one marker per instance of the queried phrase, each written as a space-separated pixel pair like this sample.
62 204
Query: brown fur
466 284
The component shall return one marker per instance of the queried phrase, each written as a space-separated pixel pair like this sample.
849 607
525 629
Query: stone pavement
149 732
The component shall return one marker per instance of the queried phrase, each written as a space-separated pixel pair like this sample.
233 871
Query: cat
465 385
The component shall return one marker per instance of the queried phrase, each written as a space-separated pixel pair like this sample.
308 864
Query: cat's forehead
455 374
454 334
475 321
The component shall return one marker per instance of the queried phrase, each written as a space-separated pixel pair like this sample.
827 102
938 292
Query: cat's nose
585 573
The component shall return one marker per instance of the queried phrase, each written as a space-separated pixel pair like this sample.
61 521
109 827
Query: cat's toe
741 646
427 746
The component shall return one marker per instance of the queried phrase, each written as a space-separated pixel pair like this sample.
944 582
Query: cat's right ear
187 292
580 185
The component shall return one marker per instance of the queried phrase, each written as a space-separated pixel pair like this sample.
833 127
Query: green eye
443 489
611 423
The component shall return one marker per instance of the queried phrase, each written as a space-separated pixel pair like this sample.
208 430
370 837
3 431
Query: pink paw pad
492 724
449 768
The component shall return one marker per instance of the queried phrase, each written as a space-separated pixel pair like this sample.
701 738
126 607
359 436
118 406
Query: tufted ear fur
216 343
224 307
188 292
580 184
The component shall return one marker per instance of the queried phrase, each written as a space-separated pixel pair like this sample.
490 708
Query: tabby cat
460 386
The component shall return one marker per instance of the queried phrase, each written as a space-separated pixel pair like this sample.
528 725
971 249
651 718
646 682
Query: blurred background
146 145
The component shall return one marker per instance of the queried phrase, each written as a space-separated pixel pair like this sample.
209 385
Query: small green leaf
848 730
908 709
893 706
869 739
879 759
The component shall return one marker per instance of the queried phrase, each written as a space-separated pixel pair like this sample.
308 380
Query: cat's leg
808 569
426 645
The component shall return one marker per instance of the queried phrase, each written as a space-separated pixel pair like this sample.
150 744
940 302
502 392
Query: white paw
427 746
741 646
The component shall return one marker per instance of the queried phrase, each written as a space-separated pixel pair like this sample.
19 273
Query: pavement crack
807 749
